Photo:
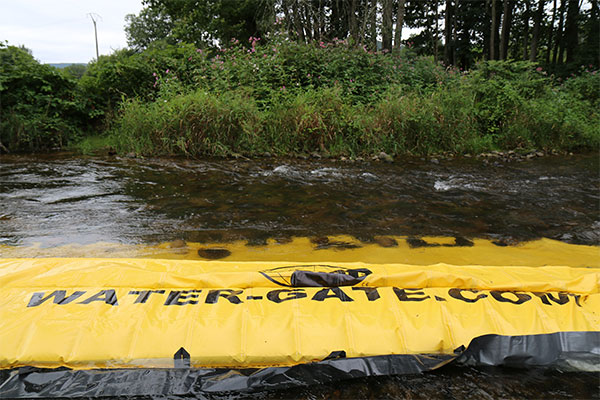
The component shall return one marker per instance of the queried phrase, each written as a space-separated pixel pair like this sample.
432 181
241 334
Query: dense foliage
561 34
333 98
226 77
40 107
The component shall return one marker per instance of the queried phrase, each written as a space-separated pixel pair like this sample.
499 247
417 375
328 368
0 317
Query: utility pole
94 16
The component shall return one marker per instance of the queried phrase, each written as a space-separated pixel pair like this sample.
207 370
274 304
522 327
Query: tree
399 24
506 25
571 30
75 70
537 20
39 105
201 22
493 30
352 23
589 50
386 27
525 30
150 25
558 46
550 32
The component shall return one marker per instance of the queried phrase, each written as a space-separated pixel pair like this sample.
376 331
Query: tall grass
462 116
194 124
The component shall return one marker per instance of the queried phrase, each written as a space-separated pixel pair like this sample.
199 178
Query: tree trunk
434 34
386 27
352 24
321 19
399 24
287 17
592 42
308 23
559 34
297 20
550 32
338 20
537 20
527 16
373 27
494 31
448 34
454 35
506 25
571 37
364 33
465 38
316 24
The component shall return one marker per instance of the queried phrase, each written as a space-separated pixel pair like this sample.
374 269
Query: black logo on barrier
315 276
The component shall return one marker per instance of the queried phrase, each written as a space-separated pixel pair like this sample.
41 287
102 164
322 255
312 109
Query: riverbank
105 146
290 99
496 107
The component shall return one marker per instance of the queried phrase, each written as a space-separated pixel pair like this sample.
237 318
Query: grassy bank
288 98
498 106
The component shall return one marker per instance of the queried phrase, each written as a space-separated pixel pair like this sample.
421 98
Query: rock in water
177 244
385 241
386 157
214 253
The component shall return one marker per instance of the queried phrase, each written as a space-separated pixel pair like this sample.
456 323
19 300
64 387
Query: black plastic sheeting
559 349
563 348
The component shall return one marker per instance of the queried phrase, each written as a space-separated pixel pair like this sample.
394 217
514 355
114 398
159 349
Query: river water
56 200
51 201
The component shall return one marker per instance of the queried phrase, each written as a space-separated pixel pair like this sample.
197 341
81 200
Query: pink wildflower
539 69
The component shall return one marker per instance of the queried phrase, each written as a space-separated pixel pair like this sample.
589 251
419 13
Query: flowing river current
50 203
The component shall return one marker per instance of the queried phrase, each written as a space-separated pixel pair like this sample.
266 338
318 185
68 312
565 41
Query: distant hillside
64 65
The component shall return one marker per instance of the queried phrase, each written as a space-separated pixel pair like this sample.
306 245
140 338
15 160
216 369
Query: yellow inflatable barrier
87 313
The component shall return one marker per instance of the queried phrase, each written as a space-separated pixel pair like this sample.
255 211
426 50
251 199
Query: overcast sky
60 31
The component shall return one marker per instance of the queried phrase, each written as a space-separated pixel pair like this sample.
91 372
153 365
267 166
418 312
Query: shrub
558 121
585 86
40 107
500 88
126 74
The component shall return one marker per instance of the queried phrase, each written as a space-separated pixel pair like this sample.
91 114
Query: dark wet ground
458 383
57 200
54 200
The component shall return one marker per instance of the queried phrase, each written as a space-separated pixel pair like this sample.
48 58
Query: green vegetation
40 107
188 87
498 105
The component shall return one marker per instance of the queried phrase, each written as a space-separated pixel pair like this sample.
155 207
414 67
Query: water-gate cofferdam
261 277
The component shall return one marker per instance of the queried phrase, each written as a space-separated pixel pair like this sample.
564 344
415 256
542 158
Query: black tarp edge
563 349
